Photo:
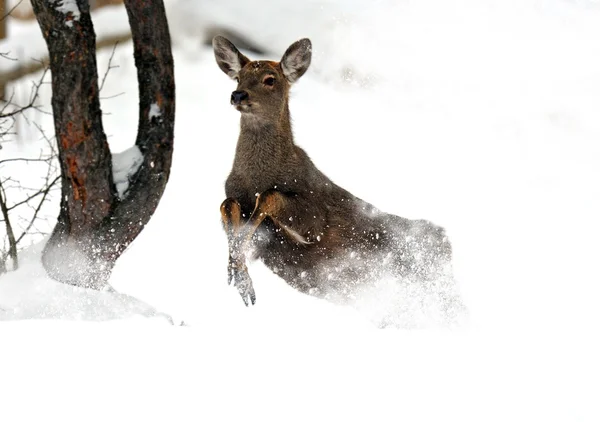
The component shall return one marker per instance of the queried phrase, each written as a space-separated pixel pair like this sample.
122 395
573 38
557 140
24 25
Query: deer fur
280 208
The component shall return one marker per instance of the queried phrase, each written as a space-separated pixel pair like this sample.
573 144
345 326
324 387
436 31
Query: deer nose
238 96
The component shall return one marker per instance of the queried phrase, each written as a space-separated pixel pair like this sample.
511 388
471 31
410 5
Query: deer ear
296 59
229 59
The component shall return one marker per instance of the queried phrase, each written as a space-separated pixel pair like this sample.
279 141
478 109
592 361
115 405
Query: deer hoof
243 283
237 273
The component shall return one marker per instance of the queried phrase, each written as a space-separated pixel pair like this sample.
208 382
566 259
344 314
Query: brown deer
318 237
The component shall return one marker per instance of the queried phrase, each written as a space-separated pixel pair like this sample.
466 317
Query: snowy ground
481 116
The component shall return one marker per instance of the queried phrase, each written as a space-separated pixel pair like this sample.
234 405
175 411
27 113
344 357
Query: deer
280 208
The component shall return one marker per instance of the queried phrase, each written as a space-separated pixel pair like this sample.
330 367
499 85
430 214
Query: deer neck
265 140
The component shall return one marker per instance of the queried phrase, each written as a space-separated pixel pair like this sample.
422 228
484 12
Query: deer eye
269 81
237 79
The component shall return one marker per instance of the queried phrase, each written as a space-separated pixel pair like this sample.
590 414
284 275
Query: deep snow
481 116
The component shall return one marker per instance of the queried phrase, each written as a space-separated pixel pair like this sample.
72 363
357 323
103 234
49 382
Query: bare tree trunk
94 225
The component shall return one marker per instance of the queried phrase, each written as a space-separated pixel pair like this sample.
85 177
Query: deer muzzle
238 96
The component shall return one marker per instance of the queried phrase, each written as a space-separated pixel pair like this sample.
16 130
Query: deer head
263 86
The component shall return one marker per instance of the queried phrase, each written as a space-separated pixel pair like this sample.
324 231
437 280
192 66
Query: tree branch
12 243
7 14
112 55
44 193
156 81
28 160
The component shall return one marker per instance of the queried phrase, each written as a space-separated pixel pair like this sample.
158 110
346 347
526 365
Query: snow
125 165
68 7
480 116
29 295
154 111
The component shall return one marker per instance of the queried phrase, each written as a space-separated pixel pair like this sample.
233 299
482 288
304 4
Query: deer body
318 237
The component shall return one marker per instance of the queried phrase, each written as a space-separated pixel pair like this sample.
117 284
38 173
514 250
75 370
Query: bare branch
35 92
109 66
110 97
17 223
7 57
27 160
35 195
12 243
11 10
37 209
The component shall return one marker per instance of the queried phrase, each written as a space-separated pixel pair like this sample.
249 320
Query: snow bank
30 294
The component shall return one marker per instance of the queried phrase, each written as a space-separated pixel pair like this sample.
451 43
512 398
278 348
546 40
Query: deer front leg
237 272
272 204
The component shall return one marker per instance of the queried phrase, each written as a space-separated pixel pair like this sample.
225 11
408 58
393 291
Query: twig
38 193
11 10
110 97
6 56
35 93
109 66
33 160
37 209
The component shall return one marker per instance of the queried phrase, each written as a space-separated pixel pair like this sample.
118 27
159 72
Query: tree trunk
95 225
